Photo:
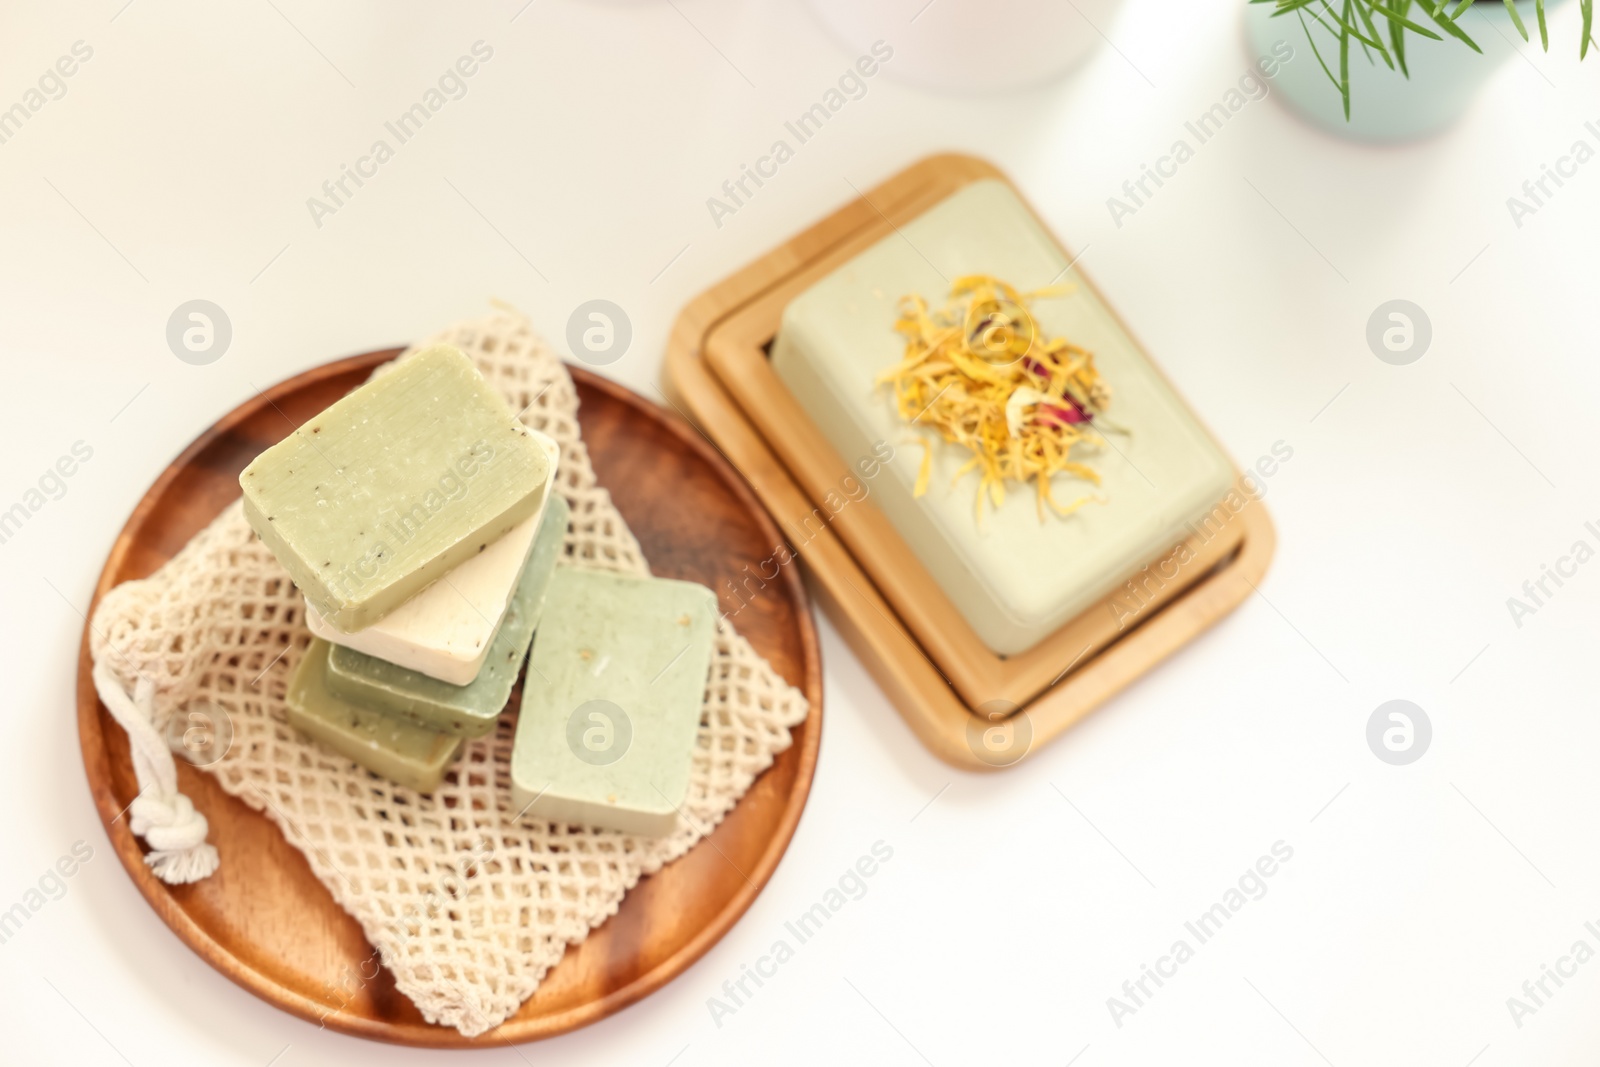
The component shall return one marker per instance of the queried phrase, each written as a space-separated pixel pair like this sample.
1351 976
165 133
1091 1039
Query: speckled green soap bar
611 702
392 486
463 710
386 745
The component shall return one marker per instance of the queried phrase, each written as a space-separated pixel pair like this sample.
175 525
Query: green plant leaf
1544 31
1361 9
1293 6
1516 19
1335 34
1286 7
1343 22
1397 33
1437 15
1397 17
1344 57
1461 7
1588 25
1343 89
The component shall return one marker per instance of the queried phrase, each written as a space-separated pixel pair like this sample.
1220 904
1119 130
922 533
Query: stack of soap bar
395 748
468 710
417 516
445 631
393 486
1013 578
611 702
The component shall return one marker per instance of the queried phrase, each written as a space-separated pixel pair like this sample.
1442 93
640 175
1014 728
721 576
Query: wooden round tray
267 923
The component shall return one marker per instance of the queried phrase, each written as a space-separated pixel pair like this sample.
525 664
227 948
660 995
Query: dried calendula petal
979 372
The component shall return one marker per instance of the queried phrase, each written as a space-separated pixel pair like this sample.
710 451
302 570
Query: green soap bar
401 751
392 486
465 710
611 702
1013 578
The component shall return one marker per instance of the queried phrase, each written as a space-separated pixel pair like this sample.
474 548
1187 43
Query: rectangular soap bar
394 748
611 701
466 710
1013 578
397 483
445 631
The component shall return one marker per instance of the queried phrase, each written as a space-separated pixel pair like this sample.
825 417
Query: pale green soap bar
465 710
611 701
392 486
391 747
1014 578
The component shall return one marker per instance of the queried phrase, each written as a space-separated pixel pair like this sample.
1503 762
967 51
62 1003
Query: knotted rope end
182 866
167 820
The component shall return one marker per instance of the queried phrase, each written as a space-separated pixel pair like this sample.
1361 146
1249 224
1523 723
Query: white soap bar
446 630
1014 578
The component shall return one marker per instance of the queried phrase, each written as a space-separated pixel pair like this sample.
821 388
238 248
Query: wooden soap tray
971 706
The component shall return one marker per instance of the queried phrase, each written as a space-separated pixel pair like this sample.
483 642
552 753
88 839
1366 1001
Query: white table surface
1419 898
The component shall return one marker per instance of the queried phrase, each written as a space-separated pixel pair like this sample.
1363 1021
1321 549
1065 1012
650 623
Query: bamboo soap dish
972 705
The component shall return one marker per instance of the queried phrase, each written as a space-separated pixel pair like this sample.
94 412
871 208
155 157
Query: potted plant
1395 70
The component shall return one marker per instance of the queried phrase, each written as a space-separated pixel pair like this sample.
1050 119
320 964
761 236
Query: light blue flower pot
1385 105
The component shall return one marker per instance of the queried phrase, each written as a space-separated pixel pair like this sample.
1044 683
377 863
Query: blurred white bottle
973 46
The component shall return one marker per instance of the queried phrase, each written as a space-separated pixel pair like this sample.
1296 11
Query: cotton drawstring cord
164 817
